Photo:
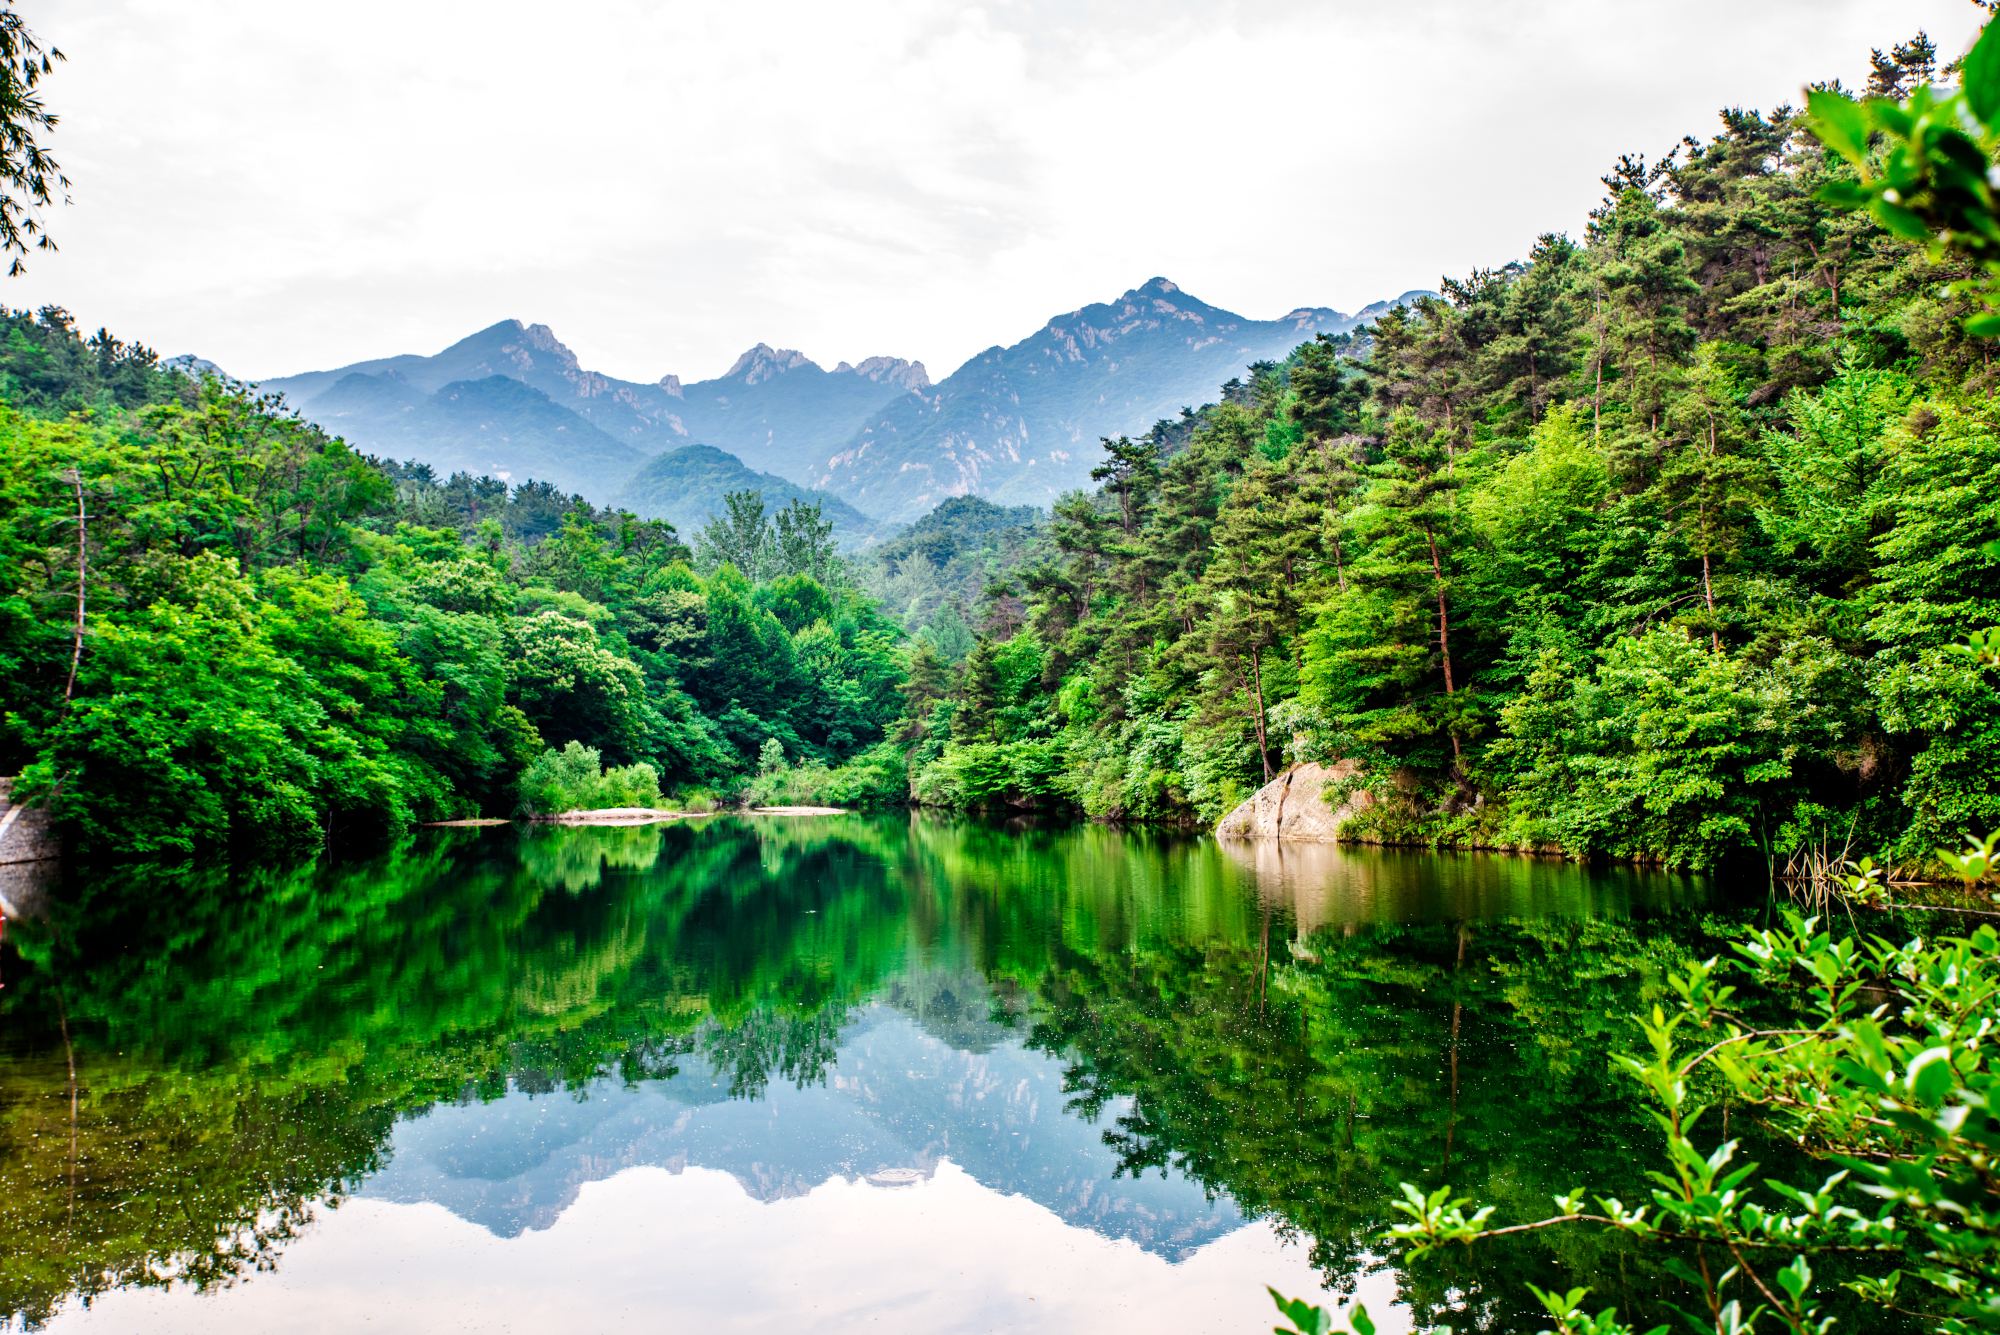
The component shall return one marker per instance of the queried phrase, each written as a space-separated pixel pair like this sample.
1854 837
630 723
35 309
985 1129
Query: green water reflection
192 1065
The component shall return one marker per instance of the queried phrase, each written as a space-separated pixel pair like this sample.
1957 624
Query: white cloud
281 187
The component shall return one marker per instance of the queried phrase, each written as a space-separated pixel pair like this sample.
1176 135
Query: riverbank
659 815
617 816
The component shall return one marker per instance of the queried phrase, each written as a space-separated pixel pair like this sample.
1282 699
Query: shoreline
617 816
660 815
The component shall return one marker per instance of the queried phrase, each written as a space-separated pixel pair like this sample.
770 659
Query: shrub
969 775
877 777
701 800
573 779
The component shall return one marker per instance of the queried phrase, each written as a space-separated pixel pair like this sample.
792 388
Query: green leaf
1930 1074
1984 325
1899 220
1981 74
1839 122
1890 115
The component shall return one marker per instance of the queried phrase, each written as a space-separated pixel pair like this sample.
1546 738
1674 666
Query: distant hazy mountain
778 410
1022 423
1017 424
685 487
494 426
774 407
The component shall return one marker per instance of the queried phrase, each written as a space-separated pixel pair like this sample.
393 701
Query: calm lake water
815 1074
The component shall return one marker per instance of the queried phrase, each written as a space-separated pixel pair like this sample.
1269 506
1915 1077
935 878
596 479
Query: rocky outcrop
27 856
1295 806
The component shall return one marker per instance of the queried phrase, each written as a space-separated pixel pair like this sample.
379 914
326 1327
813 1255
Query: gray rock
28 854
1294 806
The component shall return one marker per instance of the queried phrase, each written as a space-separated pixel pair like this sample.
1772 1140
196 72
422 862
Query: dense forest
223 627
1659 543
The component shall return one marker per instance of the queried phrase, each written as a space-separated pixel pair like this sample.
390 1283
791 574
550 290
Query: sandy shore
620 816
645 815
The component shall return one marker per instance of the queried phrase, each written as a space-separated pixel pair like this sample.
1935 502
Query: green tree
740 536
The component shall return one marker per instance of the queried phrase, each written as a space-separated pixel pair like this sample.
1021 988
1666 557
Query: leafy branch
30 177
1924 166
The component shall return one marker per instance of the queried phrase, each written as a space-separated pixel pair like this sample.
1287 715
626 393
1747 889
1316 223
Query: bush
968 775
572 779
877 777
698 800
1665 753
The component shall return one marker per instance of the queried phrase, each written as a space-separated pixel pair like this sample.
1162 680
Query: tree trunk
1263 743
1444 631
1707 585
76 649
1597 395
1708 592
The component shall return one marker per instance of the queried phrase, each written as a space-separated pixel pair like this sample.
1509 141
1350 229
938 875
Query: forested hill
932 575
1660 542
687 486
283 640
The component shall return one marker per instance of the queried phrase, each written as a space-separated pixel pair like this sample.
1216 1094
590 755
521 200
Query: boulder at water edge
1294 806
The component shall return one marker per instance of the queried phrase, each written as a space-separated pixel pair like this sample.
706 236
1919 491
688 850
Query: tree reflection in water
1297 1030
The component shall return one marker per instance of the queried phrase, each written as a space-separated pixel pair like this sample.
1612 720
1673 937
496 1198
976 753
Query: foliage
280 641
29 177
877 777
574 779
1640 546
1879 1061
1924 162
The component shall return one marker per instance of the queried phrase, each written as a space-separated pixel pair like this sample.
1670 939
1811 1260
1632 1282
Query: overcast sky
290 186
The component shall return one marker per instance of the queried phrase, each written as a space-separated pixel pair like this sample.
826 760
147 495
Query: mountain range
1018 423
1021 424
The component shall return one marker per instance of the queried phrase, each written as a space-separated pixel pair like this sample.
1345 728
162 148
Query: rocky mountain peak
1312 317
194 367
897 371
543 339
764 362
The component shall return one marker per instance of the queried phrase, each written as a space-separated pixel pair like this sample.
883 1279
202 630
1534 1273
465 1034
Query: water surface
820 1074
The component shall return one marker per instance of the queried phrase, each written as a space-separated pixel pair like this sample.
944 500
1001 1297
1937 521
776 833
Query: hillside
685 487
1021 424
941 565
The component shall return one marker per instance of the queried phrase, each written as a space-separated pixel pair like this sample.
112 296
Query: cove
825 1073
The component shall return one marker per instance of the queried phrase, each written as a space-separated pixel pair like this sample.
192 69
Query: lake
817 1074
